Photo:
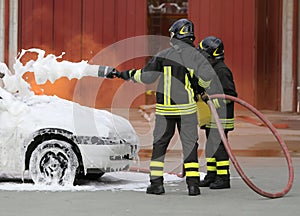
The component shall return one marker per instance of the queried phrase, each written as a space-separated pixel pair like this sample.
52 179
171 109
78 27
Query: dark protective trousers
163 132
214 145
217 158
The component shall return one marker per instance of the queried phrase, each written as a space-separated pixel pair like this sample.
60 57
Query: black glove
204 96
127 74
2 75
201 91
112 74
107 72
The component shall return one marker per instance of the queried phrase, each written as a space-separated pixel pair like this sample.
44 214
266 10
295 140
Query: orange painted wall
82 29
234 22
85 28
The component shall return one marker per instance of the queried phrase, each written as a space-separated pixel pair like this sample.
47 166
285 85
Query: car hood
33 112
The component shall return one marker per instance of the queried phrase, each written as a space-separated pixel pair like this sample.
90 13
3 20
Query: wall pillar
287 84
298 53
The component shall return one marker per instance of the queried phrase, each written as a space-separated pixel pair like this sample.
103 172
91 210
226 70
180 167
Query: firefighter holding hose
182 73
217 159
175 102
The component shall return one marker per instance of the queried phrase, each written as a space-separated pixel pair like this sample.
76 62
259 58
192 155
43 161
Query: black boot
208 179
221 182
156 185
155 189
193 190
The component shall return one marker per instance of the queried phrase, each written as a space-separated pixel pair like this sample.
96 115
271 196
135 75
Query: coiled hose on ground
232 157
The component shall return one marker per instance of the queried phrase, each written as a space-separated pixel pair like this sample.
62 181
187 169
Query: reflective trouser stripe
223 167
156 164
208 160
211 164
191 165
192 174
211 168
222 172
156 173
156 168
192 169
222 163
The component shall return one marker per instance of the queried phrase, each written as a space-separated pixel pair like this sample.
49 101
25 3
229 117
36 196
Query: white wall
13 32
2 30
287 57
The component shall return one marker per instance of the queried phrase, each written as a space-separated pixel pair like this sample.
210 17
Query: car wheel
53 162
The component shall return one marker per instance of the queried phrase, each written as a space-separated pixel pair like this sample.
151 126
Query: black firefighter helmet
182 28
213 46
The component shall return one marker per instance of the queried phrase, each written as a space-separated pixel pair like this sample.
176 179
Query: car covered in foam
56 141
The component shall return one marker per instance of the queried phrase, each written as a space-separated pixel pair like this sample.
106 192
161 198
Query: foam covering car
56 141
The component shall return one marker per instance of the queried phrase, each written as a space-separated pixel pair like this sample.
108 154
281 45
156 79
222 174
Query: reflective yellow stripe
175 113
222 163
200 44
177 109
188 86
137 76
222 172
216 103
204 84
192 174
210 160
191 165
215 53
167 85
226 123
182 31
176 106
227 101
156 164
191 71
156 173
211 168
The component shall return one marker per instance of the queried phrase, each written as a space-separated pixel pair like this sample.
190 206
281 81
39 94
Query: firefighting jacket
225 108
174 94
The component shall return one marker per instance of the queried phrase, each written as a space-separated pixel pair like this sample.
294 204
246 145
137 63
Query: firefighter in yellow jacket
217 159
175 103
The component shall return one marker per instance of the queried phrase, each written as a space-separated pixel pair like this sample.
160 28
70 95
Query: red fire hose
232 157
230 152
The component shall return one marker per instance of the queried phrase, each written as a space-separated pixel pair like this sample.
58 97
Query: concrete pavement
254 147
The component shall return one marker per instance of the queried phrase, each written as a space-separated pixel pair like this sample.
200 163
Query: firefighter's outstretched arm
127 74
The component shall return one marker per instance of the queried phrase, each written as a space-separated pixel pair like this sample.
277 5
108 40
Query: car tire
53 162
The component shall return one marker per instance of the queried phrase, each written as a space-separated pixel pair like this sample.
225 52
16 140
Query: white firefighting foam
19 106
45 67
117 181
48 68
